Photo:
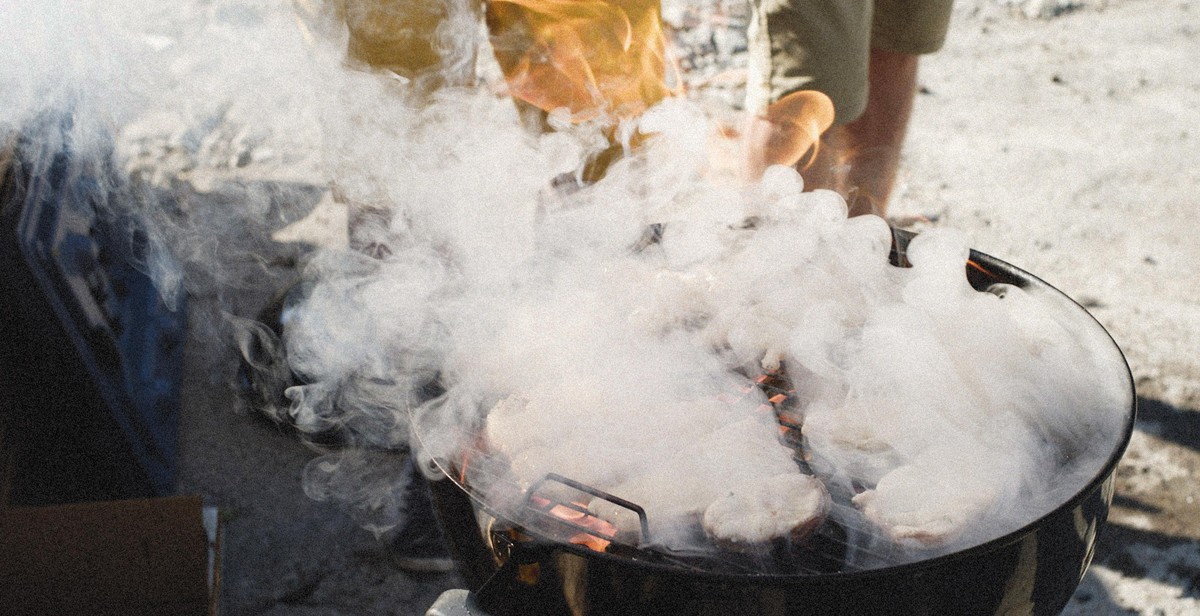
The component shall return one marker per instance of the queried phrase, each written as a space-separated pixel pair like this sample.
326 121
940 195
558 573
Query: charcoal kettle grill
516 568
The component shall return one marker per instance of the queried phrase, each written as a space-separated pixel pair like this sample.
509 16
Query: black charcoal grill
535 562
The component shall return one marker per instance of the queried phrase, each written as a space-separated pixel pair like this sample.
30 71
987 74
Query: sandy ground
1062 136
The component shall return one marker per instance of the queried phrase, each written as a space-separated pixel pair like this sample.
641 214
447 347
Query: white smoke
606 324
576 347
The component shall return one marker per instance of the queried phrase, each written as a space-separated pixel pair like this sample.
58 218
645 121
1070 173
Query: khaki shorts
824 45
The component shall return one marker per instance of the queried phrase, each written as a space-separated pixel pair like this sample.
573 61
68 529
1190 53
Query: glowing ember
596 533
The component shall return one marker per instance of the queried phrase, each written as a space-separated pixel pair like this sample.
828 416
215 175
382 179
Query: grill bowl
1031 570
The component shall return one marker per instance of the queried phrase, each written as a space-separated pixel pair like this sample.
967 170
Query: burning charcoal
751 515
625 520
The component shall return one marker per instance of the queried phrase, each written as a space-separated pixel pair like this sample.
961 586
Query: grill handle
601 494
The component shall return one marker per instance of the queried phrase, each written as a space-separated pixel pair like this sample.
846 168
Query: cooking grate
556 508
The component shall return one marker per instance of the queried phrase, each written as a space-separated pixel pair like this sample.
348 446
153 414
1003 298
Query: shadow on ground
1150 550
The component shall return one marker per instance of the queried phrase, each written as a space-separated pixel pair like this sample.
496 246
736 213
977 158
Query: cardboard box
137 557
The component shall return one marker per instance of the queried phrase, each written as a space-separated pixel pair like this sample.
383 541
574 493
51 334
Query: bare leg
860 159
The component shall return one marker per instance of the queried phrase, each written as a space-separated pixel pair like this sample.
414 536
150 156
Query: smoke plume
593 329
